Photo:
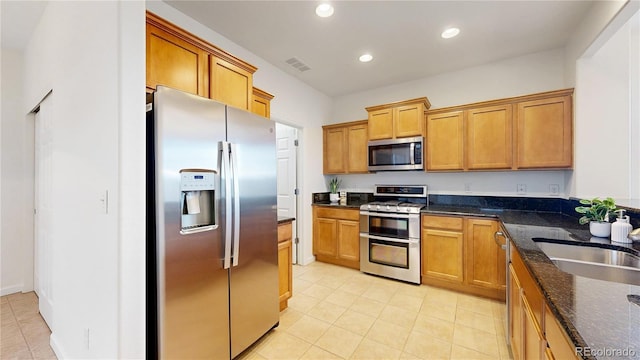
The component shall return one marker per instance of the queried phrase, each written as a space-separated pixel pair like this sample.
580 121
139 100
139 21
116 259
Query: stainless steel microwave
396 154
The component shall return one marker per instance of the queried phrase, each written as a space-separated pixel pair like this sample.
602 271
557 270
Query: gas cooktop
408 199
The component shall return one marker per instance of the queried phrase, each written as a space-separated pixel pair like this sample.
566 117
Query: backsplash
499 202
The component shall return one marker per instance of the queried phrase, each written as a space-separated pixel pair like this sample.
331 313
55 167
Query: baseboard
11 290
308 260
55 346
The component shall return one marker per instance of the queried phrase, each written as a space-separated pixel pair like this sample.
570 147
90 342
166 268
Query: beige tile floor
340 313
335 313
23 332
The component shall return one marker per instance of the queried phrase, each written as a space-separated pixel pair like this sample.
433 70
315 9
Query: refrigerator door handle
224 164
236 204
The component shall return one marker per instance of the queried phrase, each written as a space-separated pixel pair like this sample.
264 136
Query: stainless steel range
390 232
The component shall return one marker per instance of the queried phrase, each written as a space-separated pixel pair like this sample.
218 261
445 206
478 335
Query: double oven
390 232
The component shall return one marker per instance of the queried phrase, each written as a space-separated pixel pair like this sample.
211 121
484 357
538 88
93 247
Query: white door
287 181
43 247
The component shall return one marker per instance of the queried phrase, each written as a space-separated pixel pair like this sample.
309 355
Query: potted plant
333 189
597 214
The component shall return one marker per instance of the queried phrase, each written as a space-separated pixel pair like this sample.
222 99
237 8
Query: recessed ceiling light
450 32
324 10
365 58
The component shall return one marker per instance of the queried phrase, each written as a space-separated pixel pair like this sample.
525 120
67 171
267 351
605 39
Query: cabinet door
324 238
442 254
515 314
174 62
357 139
381 124
489 133
334 151
484 257
408 120
533 341
230 84
544 133
285 275
349 240
261 106
445 139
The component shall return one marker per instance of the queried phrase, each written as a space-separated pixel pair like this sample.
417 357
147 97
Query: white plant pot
600 229
334 197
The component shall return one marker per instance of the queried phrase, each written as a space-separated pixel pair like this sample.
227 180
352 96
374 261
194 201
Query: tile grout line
19 327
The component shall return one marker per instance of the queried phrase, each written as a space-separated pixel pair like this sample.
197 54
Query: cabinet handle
495 238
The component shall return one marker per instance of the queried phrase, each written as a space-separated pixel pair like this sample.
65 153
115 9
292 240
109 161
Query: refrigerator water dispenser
197 187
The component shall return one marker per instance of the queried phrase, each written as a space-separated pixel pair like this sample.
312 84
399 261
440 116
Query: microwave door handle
412 153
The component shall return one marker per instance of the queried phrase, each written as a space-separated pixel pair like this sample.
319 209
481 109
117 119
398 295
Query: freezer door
254 281
193 300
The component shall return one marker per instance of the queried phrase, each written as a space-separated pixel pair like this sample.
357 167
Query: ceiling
18 20
403 36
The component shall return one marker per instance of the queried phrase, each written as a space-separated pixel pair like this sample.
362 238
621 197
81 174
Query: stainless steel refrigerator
212 267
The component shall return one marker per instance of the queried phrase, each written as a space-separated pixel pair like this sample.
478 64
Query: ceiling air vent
298 64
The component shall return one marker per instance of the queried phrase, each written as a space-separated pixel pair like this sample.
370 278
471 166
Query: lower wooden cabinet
485 259
461 254
443 248
285 263
534 331
336 236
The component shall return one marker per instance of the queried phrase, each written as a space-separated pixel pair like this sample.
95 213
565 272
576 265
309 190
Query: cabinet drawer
442 222
344 214
284 232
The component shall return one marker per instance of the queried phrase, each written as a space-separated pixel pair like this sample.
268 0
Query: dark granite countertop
346 205
596 314
285 219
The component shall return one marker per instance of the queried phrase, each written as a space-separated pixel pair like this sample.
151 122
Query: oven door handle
364 235
397 216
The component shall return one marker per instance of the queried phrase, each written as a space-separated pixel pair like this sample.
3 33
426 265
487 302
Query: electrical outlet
467 187
522 189
554 189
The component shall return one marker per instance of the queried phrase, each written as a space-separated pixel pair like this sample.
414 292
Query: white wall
538 72
91 55
602 107
17 180
588 31
606 108
295 104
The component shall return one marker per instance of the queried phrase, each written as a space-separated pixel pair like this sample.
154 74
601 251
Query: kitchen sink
593 262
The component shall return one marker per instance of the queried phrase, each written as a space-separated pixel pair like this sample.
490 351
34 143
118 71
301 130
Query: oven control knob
388 207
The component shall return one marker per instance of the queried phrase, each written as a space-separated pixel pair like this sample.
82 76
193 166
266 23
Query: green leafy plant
598 210
334 184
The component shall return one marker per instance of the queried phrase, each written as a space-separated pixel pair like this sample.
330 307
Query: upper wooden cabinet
526 132
231 83
397 120
489 134
181 60
344 148
445 141
544 133
174 62
261 103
